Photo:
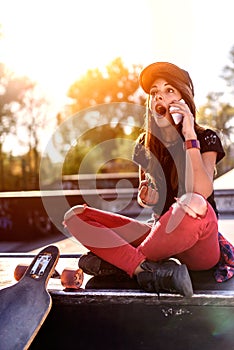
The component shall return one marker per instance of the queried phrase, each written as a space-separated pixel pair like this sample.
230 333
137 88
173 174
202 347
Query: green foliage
12 92
218 113
228 71
104 148
116 84
107 114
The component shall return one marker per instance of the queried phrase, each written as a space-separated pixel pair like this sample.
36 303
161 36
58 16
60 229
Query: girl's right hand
147 193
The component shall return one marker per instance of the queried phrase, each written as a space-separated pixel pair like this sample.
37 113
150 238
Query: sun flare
54 45
55 42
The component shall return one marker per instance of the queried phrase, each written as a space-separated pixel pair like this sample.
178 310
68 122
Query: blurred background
70 104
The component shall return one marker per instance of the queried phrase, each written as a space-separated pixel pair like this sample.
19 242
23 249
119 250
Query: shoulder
210 141
208 138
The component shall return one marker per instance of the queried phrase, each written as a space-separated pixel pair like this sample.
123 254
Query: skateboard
71 279
26 304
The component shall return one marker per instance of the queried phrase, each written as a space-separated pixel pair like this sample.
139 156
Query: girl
177 160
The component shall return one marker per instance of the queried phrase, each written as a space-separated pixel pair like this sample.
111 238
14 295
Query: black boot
91 264
165 276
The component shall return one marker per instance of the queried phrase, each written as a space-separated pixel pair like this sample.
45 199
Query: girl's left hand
187 121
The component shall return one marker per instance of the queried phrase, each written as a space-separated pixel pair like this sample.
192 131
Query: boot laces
164 280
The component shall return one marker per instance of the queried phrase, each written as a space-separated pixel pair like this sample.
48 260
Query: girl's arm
200 168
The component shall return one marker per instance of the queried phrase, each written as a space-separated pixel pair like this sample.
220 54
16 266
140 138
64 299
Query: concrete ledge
127 320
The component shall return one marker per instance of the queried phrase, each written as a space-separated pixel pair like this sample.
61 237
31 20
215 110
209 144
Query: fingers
187 119
181 107
148 194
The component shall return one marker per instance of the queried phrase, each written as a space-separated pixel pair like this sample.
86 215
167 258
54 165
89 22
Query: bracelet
191 144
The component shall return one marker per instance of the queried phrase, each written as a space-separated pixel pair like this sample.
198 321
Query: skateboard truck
71 279
40 265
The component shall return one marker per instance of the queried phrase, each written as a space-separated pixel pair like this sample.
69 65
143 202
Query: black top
173 157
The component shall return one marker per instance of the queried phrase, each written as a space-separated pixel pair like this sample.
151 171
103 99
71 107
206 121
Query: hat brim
158 69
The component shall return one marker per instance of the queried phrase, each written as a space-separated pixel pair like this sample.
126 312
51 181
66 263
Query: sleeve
210 142
139 153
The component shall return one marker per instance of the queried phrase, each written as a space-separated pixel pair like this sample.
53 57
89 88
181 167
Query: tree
12 89
107 105
33 119
218 113
116 83
228 71
99 149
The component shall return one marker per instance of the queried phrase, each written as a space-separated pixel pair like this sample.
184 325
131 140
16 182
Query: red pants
125 242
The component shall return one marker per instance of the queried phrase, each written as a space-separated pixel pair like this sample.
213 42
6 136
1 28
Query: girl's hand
147 194
187 121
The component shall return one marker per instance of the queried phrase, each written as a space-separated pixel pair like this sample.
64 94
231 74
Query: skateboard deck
26 304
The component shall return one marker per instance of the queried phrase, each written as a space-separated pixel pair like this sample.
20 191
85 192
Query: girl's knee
193 204
74 211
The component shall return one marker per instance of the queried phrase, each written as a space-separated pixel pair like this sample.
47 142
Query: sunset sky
55 41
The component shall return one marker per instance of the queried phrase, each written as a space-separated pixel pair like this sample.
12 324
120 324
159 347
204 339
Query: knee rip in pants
193 204
76 210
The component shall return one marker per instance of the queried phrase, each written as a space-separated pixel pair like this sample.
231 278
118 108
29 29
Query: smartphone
177 117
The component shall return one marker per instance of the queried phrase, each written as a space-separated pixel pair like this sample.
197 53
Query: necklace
169 143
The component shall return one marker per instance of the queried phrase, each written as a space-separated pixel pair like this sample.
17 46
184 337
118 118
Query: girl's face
162 94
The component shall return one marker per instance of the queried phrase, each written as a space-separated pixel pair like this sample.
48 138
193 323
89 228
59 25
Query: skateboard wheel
20 271
71 278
